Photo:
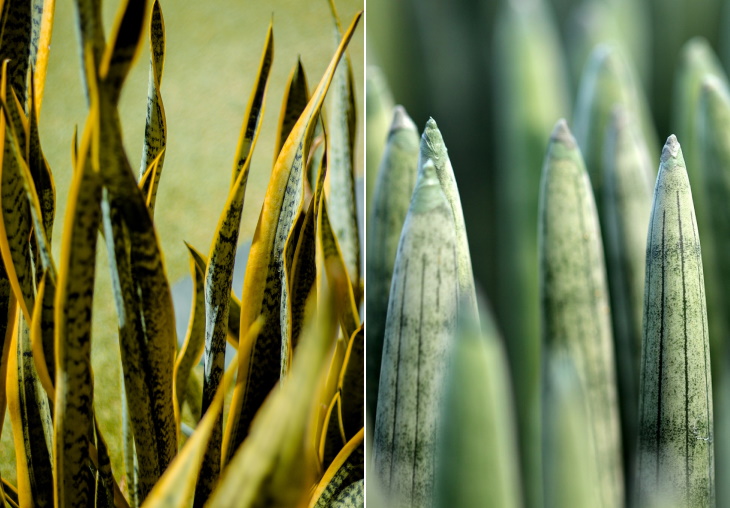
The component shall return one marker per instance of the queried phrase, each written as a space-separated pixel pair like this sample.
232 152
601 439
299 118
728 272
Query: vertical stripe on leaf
676 424
574 299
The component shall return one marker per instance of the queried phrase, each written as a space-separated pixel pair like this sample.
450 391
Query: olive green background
213 53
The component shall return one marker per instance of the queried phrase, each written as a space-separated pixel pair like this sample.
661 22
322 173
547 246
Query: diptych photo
350 253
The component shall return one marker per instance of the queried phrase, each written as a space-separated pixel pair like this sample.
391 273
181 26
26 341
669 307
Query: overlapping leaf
219 271
260 360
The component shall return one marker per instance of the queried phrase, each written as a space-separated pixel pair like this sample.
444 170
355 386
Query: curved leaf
346 469
277 463
342 122
260 364
351 384
330 257
32 427
332 439
192 348
176 487
74 297
296 96
155 133
219 271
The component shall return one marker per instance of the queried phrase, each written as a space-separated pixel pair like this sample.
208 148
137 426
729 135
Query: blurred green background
496 76
212 56
440 61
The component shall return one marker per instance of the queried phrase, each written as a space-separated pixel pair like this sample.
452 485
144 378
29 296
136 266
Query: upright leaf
378 116
418 332
531 91
575 302
194 343
434 149
303 268
607 81
260 364
393 190
713 134
296 96
330 259
219 271
569 460
142 291
32 426
477 402
697 62
15 45
15 226
276 464
43 14
351 384
8 306
74 297
155 132
626 208
676 428
342 122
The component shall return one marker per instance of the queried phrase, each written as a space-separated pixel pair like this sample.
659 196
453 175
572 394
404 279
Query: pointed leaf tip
712 84
401 120
671 150
561 134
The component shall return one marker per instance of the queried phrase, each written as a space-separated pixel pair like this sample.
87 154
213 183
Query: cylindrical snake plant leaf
607 80
676 427
574 299
477 460
419 329
622 23
434 149
531 92
378 114
393 190
569 459
714 157
626 209
697 62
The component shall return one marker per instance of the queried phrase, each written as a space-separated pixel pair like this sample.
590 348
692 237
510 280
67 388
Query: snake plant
298 337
